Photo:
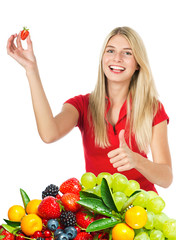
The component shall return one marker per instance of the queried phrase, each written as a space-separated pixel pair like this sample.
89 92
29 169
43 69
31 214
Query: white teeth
117 68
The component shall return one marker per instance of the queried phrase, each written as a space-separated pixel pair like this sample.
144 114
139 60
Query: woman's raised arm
50 128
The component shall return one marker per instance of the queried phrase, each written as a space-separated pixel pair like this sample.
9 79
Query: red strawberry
5 235
83 236
24 33
69 201
71 185
84 218
49 208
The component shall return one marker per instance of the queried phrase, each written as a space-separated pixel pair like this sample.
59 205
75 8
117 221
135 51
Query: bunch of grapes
158 226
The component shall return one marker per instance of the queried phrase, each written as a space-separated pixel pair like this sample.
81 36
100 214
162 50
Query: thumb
122 141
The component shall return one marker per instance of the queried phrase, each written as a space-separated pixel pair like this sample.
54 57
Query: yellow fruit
136 217
32 206
122 231
16 213
30 224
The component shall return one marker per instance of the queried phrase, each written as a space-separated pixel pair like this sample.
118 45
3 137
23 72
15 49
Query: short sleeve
161 115
79 102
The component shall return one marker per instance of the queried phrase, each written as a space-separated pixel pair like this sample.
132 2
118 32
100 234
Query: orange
136 217
16 213
30 224
32 206
122 231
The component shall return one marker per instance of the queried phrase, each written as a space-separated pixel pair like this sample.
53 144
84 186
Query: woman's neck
117 93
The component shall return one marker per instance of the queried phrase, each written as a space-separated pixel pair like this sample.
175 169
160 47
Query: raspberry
51 190
68 218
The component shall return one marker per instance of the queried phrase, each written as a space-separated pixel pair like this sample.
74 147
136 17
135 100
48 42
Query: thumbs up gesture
122 158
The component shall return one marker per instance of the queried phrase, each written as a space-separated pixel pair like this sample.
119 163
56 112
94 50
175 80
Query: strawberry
24 33
84 218
69 201
71 185
83 236
49 208
5 235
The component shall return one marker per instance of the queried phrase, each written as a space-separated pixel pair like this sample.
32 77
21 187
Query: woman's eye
127 53
110 51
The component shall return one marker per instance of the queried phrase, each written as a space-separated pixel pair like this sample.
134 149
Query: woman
119 120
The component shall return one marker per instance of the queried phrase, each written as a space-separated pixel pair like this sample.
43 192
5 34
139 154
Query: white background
67 38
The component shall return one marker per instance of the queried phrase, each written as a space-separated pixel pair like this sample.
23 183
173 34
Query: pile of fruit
103 207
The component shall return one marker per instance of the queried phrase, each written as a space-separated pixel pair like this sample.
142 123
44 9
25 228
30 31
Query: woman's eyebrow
126 48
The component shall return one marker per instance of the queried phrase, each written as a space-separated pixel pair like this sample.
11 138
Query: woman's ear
137 67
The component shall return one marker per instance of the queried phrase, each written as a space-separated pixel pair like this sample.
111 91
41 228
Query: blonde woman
120 120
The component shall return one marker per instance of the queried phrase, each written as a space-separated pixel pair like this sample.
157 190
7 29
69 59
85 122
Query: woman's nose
118 57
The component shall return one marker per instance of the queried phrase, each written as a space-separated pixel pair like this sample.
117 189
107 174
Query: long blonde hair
142 92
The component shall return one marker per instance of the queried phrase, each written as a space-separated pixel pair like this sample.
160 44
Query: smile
116 69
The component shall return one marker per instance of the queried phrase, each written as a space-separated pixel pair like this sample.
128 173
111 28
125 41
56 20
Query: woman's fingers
29 43
10 44
18 41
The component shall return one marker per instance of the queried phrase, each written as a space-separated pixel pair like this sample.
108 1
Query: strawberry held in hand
71 185
49 208
24 33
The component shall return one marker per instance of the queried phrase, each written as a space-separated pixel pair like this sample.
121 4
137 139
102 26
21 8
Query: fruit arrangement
103 207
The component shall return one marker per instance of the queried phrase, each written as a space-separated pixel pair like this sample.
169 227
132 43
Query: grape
141 199
169 228
105 175
150 220
88 180
156 205
119 199
131 187
142 236
97 190
156 235
119 182
152 194
159 220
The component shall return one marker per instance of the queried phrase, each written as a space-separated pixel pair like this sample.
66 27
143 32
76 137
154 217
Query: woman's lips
116 69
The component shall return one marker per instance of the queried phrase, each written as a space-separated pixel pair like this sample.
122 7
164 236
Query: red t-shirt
96 159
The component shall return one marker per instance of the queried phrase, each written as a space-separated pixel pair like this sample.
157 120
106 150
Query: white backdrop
67 37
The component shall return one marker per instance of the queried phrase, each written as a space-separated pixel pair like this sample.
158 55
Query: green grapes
131 187
119 198
105 175
97 190
156 205
88 180
141 199
152 194
142 236
160 220
156 235
150 220
169 228
119 182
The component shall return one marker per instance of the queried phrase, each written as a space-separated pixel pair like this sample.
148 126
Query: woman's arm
50 128
159 171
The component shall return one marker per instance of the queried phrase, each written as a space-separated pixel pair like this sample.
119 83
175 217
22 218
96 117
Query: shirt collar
123 110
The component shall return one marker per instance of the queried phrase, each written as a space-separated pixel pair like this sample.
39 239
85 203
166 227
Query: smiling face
118 60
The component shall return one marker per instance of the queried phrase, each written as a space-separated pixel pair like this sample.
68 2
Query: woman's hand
122 158
25 57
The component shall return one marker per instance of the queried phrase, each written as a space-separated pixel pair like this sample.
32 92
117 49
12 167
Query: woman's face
118 60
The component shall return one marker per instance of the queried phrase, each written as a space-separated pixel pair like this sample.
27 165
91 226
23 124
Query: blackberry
68 218
51 190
